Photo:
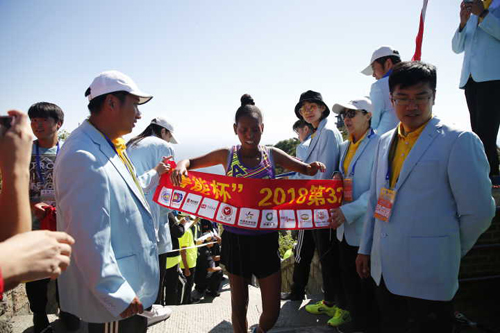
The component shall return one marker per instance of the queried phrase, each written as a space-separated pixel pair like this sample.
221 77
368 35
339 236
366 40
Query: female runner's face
249 130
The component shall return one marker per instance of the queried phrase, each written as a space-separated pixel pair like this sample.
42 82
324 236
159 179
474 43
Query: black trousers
172 285
37 295
304 252
327 246
484 111
208 281
359 293
186 297
412 315
134 324
162 259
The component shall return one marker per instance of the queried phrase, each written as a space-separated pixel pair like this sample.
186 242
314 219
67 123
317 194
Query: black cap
311 96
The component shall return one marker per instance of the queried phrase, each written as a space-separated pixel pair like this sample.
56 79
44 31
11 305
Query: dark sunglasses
350 113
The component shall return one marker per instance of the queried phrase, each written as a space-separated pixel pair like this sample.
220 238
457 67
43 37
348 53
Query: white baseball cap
160 121
382 51
363 103
112 81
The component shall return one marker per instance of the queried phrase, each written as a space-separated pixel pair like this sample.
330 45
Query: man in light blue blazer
430 200
478 36
100 203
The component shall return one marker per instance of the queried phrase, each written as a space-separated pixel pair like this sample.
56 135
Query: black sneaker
41 323
349 328
292 297
70 321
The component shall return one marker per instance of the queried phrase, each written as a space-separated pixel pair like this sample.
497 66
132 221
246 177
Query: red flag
420 35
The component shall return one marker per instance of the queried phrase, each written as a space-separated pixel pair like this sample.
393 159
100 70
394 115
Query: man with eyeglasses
382 61
430 200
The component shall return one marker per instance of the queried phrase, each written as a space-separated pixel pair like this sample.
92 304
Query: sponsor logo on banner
165 196
287 219
208 207
177 198
321 218
226 214
192 202
305 218
248 217
269 219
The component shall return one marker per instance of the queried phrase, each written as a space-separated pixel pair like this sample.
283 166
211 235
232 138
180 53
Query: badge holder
384 204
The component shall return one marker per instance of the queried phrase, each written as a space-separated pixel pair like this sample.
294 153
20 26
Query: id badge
347 190
48 196
384 204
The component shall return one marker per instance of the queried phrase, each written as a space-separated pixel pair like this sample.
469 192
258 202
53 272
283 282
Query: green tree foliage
288 146
63 135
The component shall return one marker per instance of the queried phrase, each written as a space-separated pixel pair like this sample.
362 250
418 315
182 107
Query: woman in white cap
146 151
356 162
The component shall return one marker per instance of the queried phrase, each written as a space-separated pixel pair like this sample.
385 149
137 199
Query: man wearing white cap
101 204
383 59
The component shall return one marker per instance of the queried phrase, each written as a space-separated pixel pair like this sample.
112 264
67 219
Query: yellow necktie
121 147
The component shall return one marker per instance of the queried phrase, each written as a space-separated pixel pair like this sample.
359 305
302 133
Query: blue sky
198 57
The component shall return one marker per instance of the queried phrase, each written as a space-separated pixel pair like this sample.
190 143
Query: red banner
420 35
259 204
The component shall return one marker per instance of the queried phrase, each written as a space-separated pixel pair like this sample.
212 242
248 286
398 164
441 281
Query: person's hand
314 167
363 265
134 307
337 176
464 15
476 7
162 168
35 255
15 145
336 218
187 272
218 239
216 258
39 210
177 173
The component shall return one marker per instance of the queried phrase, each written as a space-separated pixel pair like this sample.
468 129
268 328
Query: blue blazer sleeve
365 246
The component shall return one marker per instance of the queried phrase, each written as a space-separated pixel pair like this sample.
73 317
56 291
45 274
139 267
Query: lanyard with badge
348 181
46 195
387 195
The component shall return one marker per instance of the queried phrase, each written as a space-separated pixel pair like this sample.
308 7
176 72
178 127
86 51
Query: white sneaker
158 313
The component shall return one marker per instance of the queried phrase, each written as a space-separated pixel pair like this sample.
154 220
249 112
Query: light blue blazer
481 44
323 147
384 117
360 171
114 257
443 204
145 155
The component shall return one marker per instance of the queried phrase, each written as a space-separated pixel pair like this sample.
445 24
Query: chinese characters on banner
260 204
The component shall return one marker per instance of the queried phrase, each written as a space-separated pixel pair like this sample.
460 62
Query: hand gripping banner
259 204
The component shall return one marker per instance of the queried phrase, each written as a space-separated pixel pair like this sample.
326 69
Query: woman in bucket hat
324 146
